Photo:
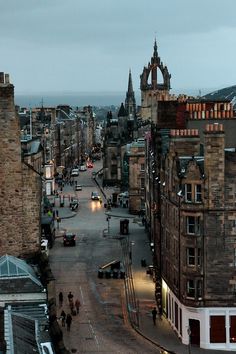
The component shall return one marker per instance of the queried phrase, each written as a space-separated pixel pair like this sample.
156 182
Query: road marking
90 325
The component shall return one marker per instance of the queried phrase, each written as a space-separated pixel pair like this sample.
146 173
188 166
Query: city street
102 324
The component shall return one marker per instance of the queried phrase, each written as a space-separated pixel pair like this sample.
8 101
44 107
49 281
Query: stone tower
152 88
20 192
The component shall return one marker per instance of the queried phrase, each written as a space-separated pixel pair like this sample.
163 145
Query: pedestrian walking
60 296
70 297
154 315
63 318
77 305
71 304
68 322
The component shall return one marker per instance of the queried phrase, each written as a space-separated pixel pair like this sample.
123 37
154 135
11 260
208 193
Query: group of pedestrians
66 319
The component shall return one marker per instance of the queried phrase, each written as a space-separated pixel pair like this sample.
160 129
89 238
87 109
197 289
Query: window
142 167
232 329
190 288
199 257
193 225
188 192
199 289
190 256
198 193
142 181
217 329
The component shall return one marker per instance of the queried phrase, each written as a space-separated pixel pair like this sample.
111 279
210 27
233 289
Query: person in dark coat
68 321
154 315
63 318
70 297
60 296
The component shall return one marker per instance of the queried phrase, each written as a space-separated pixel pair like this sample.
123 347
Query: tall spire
130 84
130 104
155 54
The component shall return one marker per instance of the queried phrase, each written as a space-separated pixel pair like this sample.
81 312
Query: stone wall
16 232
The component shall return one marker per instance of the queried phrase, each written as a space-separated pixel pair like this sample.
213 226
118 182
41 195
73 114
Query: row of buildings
175 155
35 146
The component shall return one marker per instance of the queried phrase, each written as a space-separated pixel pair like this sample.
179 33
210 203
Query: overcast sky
90 45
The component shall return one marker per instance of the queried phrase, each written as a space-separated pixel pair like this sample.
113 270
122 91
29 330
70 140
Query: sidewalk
162 335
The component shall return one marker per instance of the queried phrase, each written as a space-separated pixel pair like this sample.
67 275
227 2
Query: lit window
198 193
188 192
190 288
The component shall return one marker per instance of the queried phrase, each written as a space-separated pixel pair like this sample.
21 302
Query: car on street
83 168
78 187
89 164
69 239
75 172
95 196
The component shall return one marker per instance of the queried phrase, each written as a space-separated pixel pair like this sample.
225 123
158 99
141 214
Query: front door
194 326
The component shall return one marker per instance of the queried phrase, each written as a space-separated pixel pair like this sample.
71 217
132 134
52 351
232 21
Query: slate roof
27 326
16 276
184 161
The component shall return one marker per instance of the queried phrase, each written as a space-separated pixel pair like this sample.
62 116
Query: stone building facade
194 238
136 162
118 132
20 192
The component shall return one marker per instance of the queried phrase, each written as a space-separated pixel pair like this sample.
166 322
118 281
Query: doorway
194 326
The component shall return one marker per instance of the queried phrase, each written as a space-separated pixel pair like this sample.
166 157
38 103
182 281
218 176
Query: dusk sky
90 45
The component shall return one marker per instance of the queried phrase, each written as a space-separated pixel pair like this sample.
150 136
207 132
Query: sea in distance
80 99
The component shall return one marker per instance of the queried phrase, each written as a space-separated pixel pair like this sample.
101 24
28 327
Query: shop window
232 329
217 329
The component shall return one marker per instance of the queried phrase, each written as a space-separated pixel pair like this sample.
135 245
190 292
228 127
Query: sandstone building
21 186
190 198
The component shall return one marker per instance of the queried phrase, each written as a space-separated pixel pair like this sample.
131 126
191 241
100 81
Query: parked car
75 172
83 168
78 187
89 164
95 196
69 239
74 203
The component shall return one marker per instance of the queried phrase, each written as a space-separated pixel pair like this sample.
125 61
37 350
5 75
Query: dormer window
188 192
193 193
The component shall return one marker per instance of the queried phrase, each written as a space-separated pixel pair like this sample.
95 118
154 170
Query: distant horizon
85 98
115 92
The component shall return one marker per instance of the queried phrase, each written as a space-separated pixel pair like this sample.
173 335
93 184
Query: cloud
92 44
